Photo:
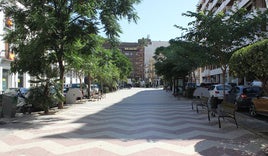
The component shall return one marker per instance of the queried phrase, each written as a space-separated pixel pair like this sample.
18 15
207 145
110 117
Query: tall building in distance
150 74
135 53
142 60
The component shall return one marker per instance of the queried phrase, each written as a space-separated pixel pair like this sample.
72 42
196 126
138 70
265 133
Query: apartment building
8 79
150 74
214 73
135 53
16 80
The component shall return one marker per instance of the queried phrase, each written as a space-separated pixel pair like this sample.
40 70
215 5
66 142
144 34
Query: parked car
241 96
190 85
216 91
259 105
94 88
256 83
84 88
23 91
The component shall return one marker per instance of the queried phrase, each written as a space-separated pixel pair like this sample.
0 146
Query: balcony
242 3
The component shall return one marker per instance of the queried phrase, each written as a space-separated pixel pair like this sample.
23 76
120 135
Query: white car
216 91
94 88
256 83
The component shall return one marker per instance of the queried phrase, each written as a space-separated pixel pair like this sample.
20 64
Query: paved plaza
132 122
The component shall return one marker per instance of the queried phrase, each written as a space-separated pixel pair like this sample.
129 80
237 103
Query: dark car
241 96
206 85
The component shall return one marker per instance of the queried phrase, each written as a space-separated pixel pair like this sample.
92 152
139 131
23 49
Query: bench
213 106
196 100
225 110
201 99
97 95
204 104
197 94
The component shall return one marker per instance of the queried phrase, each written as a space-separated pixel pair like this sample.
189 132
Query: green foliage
222 33
251 60
105 66
178 59
45 95
122 63
45 31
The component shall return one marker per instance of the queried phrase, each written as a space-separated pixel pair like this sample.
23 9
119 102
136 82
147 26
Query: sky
157 20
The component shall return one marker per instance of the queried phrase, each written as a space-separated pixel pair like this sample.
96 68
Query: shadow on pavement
155 117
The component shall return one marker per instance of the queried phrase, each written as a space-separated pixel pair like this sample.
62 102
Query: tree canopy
223 33
179 59
251 61
45 31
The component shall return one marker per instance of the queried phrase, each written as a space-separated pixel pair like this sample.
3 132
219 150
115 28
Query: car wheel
252 110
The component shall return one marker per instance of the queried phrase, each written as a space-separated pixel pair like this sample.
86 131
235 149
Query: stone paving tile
134 122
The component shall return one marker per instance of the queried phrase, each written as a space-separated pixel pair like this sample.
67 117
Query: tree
251 60
56 25
224 33
122 63
182 58
178 60
98 64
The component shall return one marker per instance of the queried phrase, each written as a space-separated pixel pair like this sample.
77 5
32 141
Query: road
132 122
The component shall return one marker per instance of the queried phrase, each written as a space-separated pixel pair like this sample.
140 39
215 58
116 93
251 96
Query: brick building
135 53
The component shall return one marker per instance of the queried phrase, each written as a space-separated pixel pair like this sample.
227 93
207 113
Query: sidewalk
135 122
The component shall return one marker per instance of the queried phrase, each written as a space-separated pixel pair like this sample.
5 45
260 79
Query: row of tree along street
51 37
236 41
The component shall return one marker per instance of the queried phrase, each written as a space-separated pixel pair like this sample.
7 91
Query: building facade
8 79
135 53
214 73
150 74
15 80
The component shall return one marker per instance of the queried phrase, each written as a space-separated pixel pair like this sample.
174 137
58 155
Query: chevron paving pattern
135 122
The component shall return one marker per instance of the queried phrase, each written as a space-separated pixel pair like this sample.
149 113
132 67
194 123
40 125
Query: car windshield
252 90
77 85
221 87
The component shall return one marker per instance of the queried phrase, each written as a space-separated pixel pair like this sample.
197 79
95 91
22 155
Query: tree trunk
46 103
61 67
224 68
194 77
89 84
46 111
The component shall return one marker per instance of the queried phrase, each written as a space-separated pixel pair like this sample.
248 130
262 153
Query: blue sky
157 19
